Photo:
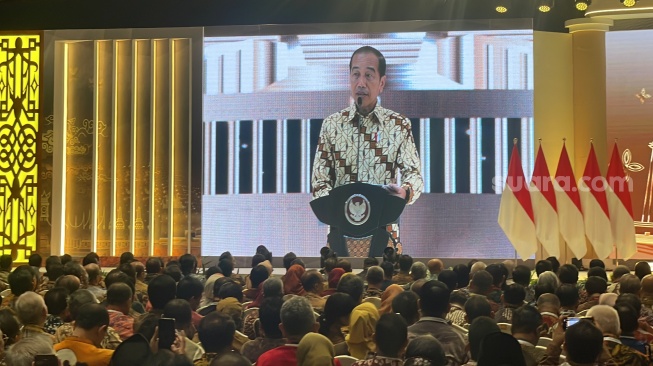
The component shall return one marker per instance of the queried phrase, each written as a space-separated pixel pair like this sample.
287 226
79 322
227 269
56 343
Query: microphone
359 101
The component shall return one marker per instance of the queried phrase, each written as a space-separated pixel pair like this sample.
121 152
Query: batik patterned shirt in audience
123 324
52 322
373 292
623 355
456 315
374 360
504 315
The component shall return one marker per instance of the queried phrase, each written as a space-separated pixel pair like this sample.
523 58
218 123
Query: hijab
293 281
315 350
334 277
388 295
362 324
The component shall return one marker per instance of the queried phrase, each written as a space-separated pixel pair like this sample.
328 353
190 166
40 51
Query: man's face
365 81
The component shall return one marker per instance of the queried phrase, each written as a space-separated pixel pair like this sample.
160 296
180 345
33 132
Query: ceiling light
544 6
629 3
582 5
501 6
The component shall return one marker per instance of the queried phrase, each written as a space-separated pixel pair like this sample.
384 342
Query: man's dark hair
598 272
369 262
388 269
93 272
180 311
406 304
630 284
482 281
630 299
119 293
374 275
583 342
226 255
226 266
345 265
217 285
450 278
6 261
298 261
216 332
628 318
118 276
391 334
568 295
189 287
499 273
458 297
597 263
263 250
353 286
642 269
477 306
91 257
211 271
90 316
21 280
270 316
595 285
311 279
555 264
75 269
405 262
55 271
173 271
56 300
231 289
375 52
568 273
425 347
65 258
153 265
619 271
542 266
256 259
50 261
526 319
514 294
330 264
522 275
161 290
434 298
126 257
188 264
287 259
35 260
69 282
78 299
258 275
462 271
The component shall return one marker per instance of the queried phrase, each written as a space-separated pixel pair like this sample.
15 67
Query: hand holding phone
167 333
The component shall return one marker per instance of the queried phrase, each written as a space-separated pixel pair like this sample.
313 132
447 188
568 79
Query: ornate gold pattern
20 59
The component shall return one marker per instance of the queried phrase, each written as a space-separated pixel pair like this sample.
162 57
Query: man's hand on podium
395 190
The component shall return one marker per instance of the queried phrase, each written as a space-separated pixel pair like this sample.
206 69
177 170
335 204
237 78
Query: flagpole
514 143
564 143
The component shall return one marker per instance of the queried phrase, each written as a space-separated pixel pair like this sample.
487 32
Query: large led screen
468 94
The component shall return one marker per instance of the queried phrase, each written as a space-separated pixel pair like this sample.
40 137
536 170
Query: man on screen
366 143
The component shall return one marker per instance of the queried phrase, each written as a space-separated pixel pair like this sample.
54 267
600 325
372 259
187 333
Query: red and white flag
621 207
570 213
516 209
596 213
544 206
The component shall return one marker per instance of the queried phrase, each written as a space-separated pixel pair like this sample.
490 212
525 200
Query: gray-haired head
22 352
297 318
418 271
426 347
273 287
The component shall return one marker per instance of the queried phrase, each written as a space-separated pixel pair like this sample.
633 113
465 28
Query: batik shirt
369 149
52 322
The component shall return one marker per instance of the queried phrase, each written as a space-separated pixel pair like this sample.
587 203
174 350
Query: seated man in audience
140 286
403 277
180 311
418 273
643 332
374 280
435 267
499 274
76 269
69 282
160 291
313 285
21 280
55 270
188 266
352 286
425 350
406 304
583 344
526 323
342 263
57 304
90 329
32 312
297 319
512 298
594 286
628 323
391 338
607 320
119 303
477 306
434 302
191 290
23 352
478 329
153 268
549 307
94 278
482 285
617 273
388 273
216 333
270 334
456 314
367 263
449 278
568 295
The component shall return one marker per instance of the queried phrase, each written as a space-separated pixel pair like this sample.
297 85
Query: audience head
312 281
226 266
344 264
479 329
315 349
374 276
362 325
548 303
435 266
477 266
481 282
180 311
76 269
22 280
568 274
628 318
78 299
547 283
118 276
630 299
161 290
369 262
153 265
388 270
297 318
174 272
216 332
597 263
583 342
262 250
94 320
462 273
337 309
288 259
609 299
55 271
425 348
91 257
418 271
619 271
391 335
353 286
416 286
434 299
642 269
568 295
5 262
69 282
126 257
500 349
257 275
94 273
630 284
405 262
522 275
330 264
647 286
191 290
555 264
187 264
56 300
449 278
65 258
22 353
526 321
514 294
499 273
606 319
595 285
273 287
597 272
477 306
231 289
30 309
35 260
10 326
542 266
406 304
256 259
120 295
270 317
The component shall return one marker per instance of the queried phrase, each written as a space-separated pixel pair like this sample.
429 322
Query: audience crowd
395 312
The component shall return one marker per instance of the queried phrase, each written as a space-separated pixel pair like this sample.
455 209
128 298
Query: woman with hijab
387 297
334 278
362 324
293 281
316 350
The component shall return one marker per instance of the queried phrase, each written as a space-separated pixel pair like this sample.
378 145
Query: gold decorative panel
20 103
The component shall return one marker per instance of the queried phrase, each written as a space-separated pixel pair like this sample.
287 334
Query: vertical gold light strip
96 138
114 148
171 151
189 205
153 134
134 122
59 155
